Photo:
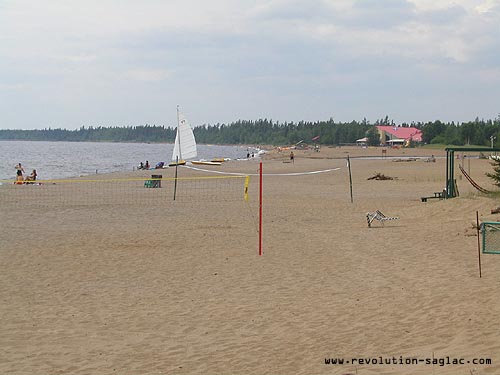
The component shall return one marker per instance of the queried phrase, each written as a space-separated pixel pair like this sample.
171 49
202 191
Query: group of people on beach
146 165
143 166
20 179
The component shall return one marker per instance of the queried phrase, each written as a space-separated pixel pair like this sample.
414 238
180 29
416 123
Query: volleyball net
127 191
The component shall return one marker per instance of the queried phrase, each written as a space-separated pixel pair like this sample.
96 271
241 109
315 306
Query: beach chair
377 215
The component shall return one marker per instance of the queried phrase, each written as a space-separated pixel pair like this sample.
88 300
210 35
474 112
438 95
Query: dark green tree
495 176
373 136
432 130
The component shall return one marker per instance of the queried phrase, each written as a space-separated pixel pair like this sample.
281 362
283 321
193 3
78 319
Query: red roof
402 133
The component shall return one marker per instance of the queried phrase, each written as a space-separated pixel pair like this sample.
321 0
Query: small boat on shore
175 163
205 162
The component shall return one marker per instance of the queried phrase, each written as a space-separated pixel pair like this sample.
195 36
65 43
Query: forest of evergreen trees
477 132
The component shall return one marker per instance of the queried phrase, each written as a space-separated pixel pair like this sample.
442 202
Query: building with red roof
394 135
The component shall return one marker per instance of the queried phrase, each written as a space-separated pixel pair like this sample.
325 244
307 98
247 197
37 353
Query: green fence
491 237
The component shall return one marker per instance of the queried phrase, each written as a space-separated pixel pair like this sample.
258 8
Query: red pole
478 243
260 211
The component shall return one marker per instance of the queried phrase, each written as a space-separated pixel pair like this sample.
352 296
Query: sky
67 63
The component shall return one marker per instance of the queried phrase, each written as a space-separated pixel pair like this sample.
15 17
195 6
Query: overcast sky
73 63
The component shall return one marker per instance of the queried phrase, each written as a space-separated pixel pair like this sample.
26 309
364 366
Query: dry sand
181 289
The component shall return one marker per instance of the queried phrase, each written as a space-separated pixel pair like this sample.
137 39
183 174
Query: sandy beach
179 288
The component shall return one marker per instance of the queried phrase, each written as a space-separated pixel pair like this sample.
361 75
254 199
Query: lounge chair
377 215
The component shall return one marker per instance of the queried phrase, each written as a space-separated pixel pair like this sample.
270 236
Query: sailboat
185 143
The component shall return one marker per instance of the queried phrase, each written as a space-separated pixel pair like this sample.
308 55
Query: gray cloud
381 14
289 60
292 10
449 15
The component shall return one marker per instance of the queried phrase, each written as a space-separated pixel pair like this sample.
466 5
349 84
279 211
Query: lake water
70 159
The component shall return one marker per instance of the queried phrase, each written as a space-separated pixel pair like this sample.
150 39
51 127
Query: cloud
489 7
11 86
267 58
380 14
81 58
442 16
147 75
290 10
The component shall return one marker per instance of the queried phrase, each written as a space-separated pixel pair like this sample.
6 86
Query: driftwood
380 176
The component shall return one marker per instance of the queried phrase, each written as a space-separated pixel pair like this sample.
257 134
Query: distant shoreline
134 142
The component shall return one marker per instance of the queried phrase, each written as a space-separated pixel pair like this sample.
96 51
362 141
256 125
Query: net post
478 243
260 209
175 181
350 176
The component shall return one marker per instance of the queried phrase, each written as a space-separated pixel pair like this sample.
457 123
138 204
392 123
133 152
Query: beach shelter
396 141
362 141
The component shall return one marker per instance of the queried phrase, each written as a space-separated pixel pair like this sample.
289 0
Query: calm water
70 159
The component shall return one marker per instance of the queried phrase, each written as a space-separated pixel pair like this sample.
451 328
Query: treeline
477 132
275 133
145 133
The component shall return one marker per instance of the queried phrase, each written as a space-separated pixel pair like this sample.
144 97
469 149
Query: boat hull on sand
201 162
180 162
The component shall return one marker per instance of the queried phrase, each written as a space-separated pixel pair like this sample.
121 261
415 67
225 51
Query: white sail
185 144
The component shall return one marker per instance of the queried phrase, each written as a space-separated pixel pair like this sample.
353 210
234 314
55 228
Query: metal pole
478 243
175 180
260 210
452 175
447 173
350 176
178 137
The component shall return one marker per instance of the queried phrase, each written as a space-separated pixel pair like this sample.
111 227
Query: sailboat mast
178 138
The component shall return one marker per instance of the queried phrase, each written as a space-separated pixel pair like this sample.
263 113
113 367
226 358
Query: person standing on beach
19 173
292 157
20 169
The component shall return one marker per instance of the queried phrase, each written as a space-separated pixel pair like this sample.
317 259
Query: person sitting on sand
147 165
32 176
141 165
